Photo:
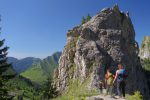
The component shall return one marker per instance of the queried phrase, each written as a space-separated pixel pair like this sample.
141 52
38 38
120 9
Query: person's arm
115 76
106 77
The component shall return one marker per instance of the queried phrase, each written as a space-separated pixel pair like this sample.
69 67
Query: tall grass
137 96
78 91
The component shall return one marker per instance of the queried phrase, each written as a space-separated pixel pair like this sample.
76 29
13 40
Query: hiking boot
117 97
105 94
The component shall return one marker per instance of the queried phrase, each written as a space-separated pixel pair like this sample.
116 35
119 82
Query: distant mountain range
35 69
22 64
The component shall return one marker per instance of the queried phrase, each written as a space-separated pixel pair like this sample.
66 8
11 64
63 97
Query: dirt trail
101 97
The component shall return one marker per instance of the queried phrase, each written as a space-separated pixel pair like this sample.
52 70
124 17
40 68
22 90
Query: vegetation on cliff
77 91
84 20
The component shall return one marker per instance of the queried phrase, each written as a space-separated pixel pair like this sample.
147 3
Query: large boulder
103 42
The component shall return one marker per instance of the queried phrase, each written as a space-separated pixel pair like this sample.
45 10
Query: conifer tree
88 17
4 66
49 90
83 20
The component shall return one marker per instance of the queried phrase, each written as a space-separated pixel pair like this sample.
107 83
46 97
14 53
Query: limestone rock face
101 43
145 48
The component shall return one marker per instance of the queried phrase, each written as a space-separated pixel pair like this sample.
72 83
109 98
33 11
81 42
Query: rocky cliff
145 48
145 57
101 43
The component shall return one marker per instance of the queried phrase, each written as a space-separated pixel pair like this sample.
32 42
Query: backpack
122 75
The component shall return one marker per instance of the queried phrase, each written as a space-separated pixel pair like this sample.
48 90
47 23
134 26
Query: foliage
83 20
72 43
77 91
146 64
49 90
4 76
23 88
88 17
145 43
35 74
71 71
137 96
71 49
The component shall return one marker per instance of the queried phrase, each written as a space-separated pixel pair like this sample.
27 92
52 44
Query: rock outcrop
101 43
145 48
145 57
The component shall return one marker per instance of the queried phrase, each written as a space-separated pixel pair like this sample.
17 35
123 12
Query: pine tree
49 90
88 17
83 20
4 66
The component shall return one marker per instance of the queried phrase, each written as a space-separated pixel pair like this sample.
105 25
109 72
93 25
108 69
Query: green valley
29 84
40 71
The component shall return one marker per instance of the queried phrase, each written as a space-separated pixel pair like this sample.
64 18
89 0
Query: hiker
120 77
101 86
109 77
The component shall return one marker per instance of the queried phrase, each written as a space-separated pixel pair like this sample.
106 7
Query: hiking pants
121 88
110 89
101 88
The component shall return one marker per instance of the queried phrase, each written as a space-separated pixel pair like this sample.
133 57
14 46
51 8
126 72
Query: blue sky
38 27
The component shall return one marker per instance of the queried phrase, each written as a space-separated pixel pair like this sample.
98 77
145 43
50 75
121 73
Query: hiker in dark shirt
120 77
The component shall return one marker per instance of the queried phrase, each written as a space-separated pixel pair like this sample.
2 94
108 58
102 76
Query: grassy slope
78 91
40 71
36 74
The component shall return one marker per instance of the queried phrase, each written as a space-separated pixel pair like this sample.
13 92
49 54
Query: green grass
77 91
39 72
35 74
137 96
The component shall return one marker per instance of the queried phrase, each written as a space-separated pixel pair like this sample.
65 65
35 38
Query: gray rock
145 48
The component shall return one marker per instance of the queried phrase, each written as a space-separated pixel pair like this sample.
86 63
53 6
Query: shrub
146 64
75 92
49 90
137 96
